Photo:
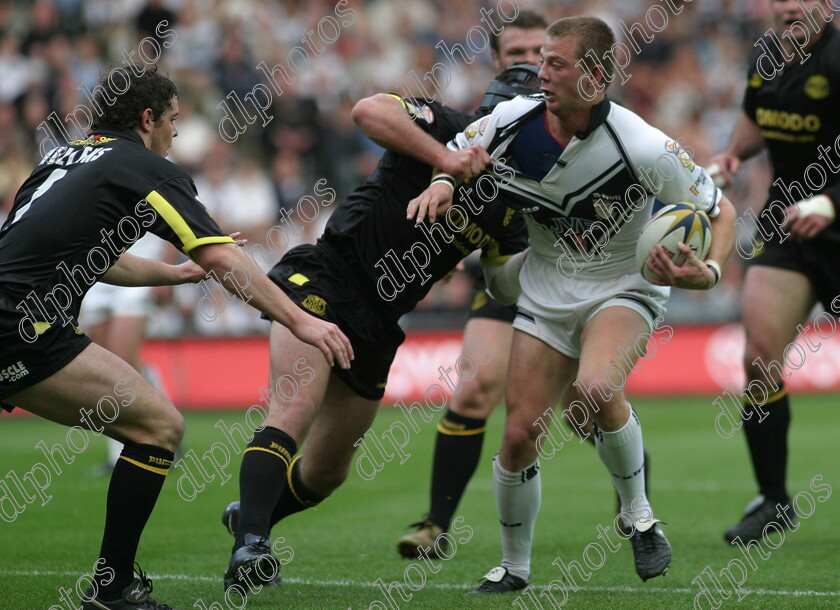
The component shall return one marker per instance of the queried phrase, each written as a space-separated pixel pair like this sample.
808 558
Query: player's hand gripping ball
674 223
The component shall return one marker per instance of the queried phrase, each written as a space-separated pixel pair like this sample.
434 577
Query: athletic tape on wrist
716 271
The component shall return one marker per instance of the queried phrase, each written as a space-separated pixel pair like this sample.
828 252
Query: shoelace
147 582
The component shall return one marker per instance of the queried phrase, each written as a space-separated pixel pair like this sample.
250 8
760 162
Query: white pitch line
464 587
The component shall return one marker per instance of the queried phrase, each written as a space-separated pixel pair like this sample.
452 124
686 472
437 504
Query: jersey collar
596 117
115 130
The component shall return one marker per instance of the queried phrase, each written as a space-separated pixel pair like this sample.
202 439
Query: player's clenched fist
465 163
326 337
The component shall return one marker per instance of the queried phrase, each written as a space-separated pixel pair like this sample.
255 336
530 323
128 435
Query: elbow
362 111
213 257
367 109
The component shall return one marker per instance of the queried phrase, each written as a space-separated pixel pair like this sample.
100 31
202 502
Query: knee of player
476 399
170 431
758 352
520 434
163 428
598 392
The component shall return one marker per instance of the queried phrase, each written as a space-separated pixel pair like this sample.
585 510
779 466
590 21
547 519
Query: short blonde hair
592 36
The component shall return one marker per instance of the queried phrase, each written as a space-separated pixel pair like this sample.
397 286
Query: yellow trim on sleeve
203 241
177 223
161 471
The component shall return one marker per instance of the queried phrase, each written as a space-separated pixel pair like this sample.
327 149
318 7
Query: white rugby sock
518 504
622 452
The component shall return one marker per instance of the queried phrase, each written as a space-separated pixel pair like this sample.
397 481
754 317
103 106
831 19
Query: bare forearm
723 233
130 270
243 279
746 140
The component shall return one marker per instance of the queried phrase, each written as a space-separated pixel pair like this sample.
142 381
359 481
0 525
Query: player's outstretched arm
695 274
133 271
130 270
746 142
244 280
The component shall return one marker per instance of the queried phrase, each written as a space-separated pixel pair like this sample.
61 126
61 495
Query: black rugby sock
135 485
457 451
296 496
262 478
767 442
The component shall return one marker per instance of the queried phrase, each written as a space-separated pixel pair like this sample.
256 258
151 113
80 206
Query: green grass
700 483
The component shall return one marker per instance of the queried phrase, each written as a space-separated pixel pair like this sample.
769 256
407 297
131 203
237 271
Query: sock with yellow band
296 496
262 478
766 428
136 482
457 451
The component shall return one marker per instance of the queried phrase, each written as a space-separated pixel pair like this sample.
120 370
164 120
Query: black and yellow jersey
796 106
387 252
83 205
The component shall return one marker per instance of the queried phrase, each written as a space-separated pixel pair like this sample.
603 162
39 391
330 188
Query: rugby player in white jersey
585 172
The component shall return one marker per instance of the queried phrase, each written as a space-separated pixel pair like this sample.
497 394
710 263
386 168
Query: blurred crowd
259 150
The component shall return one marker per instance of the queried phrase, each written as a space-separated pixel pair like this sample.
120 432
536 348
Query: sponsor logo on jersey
93 141
13 372
472 129
791 121
817 87
315 304
755 80
674 147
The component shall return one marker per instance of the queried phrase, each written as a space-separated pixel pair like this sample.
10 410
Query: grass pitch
344 550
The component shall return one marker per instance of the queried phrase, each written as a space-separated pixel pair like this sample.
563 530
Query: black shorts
323 285
816 259
23 364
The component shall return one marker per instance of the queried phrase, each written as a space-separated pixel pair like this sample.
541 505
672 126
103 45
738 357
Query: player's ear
147 120
598 77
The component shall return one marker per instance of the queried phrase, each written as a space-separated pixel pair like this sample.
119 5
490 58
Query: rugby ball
674 223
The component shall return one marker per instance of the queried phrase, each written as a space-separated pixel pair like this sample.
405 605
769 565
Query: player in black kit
70 225
790 108
369 267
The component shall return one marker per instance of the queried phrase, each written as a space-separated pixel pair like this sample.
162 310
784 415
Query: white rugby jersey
586 214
